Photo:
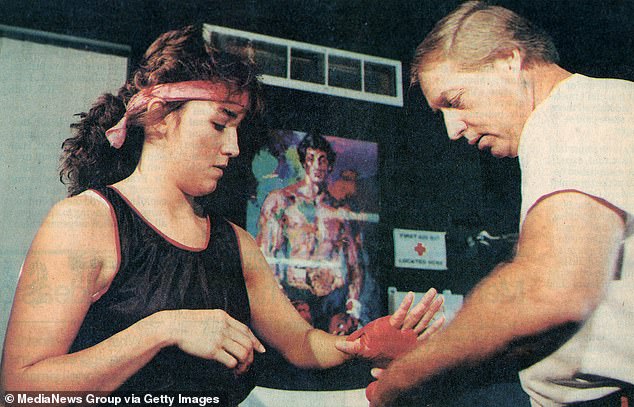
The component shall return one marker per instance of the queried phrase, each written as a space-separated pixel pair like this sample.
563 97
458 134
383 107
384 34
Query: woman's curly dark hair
88 160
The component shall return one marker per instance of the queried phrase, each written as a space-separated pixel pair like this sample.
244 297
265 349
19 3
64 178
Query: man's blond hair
476 34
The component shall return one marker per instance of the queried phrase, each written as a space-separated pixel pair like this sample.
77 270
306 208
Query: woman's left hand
386 338
419 317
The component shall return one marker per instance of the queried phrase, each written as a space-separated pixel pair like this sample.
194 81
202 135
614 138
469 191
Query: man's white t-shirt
581 138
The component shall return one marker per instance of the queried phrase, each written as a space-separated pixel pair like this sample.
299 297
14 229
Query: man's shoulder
280 197
582 103
285 192
583 90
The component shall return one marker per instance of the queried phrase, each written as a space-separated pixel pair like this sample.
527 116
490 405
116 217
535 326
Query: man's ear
511 63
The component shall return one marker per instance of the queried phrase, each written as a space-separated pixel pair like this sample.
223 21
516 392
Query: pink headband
172 92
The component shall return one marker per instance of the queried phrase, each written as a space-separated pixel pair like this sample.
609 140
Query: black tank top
156 274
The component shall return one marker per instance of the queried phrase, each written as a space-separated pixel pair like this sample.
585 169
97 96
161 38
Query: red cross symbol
420 249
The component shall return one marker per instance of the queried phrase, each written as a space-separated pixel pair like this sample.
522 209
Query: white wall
41 88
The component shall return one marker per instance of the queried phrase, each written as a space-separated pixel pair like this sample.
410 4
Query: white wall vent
318 69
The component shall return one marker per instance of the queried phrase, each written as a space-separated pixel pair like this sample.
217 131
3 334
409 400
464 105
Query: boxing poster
314 215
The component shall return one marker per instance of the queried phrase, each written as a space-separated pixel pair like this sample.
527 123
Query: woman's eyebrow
229 113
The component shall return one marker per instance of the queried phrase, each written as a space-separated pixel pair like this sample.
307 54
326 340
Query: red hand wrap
380 340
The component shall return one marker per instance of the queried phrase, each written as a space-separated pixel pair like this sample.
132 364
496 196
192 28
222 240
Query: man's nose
317 164
455 126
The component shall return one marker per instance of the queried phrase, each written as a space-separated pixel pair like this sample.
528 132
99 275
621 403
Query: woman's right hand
213 334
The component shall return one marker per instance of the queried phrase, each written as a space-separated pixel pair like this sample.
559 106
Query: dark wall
426 182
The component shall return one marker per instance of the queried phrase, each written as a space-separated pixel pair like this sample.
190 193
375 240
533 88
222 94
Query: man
495 79
312 249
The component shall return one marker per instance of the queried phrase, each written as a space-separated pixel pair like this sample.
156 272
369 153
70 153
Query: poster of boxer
314 216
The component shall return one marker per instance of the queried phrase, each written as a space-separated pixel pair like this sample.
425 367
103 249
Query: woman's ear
157 125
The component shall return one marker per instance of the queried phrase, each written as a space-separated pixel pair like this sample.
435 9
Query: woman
133 286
